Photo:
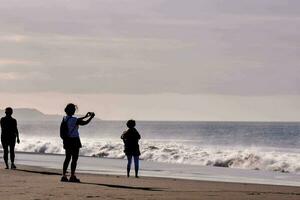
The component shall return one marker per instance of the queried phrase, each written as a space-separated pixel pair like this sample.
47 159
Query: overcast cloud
160 46
153 59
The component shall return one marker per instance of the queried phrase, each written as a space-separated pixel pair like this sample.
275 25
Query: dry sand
38 183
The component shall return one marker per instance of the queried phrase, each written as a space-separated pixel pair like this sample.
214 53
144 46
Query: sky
223 60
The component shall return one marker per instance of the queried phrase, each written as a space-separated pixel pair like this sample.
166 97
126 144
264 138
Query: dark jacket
9 129
131 139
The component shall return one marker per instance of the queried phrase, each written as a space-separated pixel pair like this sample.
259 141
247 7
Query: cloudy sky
153 60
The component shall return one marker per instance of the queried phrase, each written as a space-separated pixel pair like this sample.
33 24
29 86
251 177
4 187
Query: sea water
266 146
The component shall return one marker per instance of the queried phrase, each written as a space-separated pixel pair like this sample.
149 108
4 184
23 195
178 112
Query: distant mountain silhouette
32 114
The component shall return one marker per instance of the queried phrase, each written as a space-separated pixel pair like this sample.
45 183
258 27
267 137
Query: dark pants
136 164
8 143
71 153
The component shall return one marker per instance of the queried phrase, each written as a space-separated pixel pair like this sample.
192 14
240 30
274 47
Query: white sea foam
282 160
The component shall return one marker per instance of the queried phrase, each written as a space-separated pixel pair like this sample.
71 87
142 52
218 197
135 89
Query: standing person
9 133
131 139
71 139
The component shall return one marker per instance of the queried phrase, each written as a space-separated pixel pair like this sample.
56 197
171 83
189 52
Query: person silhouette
9 133
131 139
71 140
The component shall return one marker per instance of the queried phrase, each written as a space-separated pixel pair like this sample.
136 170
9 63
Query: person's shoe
6 167
136 176
74 179
13 166
64 179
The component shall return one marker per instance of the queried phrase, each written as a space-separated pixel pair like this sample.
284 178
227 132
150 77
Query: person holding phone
71 141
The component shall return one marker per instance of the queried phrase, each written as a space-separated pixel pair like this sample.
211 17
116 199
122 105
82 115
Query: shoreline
29 182
58 172
104 166
95 165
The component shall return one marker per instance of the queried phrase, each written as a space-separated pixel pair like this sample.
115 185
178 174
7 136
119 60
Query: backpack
64 129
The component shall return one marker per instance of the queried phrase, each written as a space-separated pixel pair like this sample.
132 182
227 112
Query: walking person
71 140
9 134
131 139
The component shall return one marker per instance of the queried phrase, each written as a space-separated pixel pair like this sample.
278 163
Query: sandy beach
40 183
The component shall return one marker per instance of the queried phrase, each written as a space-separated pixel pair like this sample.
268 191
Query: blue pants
136 164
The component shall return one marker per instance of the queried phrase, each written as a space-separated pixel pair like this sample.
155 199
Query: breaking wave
283 160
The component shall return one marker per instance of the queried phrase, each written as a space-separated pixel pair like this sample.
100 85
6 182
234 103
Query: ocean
265 146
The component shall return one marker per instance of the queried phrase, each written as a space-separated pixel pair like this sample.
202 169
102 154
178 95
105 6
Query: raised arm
81 121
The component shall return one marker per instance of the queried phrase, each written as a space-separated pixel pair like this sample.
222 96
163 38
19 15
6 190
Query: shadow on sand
97 184
40 172
123 186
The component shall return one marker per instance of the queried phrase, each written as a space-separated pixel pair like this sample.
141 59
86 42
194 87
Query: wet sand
39 183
